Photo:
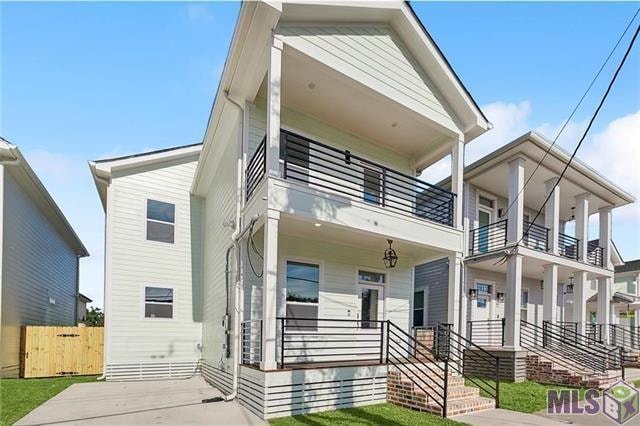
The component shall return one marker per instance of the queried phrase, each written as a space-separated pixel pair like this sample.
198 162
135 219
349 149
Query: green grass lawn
380 414
19 396
526 397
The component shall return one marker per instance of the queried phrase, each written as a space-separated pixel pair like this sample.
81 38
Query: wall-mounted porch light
541 284
473 294
570 285
390 257
500 297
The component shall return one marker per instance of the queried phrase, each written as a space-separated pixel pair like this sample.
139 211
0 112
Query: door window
369 307
484 295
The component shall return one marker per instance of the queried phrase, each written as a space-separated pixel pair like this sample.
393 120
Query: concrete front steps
631 358
461 399
543 369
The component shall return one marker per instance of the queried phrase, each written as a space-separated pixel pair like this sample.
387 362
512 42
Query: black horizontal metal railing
624 336
340 171
256 168
486 332
414 360
568 246
479 367
568 329
535 236
251 342
568 349
314 340
488 237
595 256
593 332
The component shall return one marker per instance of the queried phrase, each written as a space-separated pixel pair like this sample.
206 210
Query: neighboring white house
153 291
39 257
82 307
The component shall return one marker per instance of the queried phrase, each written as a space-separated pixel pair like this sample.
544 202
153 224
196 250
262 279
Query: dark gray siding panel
39 273
434 277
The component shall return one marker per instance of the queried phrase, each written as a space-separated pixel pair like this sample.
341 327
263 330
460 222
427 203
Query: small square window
485 202
158 302
160 221
371 277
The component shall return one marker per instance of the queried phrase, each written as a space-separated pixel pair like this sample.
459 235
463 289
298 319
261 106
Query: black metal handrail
593 332
568 348
624 336
568 246
488 238
535 236
251 342
323 166
486 332
479 367
595 256
313 340
256 168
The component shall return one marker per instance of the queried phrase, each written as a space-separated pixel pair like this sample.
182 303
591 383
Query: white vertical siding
39 274
136 341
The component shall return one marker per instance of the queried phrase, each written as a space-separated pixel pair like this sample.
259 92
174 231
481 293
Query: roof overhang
10 156
104 170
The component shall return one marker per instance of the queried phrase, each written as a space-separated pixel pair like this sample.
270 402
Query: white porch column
274 74
582 225
603 314
512 302
580 300
552 214
457 171
269 290
604 236
550 293
516 201
455 278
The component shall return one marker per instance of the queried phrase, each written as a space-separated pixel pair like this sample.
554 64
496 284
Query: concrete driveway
149 402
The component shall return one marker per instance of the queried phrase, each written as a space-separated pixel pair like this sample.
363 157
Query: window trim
491 305
143 301
493 212
283 282
424 306
146 220
385 287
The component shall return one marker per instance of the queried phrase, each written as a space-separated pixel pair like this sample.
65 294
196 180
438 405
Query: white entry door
370 304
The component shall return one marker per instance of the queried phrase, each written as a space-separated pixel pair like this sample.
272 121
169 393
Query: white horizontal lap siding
153 346
219 207
372 55
39 275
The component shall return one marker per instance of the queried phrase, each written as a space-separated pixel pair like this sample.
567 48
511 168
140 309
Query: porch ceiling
321 92
328 233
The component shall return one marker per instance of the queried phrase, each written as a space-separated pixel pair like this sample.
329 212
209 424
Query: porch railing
488 238
624 336
568 246
486 332
535 236
256 169
251 342
339 171
318 340
596 256
593 332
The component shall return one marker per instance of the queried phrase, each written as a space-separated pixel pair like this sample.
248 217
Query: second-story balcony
339 172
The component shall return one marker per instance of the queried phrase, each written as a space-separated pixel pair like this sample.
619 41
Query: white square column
515 218
604 236
455 279
550 293
552 214
603 314
270 291
582 225
580 300
457 171
512 302
274 77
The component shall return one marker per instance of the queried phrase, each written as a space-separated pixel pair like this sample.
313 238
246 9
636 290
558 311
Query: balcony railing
339 171
595 256
535 236
256 168
488 238
568 246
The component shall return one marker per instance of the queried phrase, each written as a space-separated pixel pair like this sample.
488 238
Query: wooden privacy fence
50 351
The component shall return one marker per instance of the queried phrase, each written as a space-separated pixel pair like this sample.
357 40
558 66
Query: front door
484 219
370 304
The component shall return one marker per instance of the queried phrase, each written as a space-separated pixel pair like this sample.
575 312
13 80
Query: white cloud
199 12
49 165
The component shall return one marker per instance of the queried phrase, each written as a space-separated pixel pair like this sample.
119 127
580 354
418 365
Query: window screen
158 302
160 221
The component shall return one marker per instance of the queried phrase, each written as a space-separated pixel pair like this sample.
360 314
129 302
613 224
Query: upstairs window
161 218
158 302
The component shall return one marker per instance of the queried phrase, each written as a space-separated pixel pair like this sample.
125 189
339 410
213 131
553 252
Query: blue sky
83 81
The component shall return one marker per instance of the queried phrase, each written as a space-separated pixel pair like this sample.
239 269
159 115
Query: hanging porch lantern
500 297
390 257
473 294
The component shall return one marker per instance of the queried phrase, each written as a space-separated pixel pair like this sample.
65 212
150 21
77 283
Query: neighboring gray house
39 257
82 307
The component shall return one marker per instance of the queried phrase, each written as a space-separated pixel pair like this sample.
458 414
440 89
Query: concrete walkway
149 402
500 417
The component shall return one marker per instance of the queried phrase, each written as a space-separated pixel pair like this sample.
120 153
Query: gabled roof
103 170
84 299
10 156
246 63
629 266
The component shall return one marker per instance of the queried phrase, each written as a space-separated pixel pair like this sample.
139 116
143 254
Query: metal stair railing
626 337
